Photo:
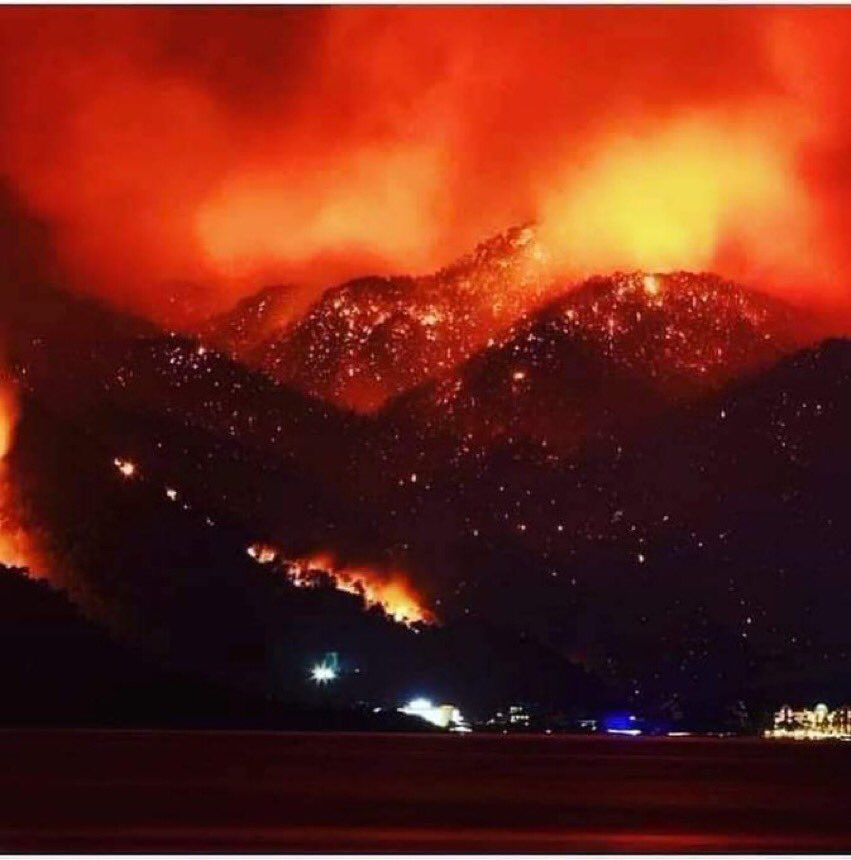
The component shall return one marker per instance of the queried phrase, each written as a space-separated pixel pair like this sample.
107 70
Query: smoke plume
185 157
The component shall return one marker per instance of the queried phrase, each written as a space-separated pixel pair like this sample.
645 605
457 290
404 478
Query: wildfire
262 553
401 136
679 195
651 285
17 548
393 591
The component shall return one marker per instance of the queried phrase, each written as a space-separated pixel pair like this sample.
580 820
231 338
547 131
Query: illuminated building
515 718
818 723
442 716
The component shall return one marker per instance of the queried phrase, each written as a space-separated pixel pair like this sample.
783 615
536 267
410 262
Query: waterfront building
817 723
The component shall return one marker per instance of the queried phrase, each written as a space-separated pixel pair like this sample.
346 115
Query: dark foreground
219 792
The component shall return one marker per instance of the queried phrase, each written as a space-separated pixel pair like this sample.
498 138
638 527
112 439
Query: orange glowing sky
17 544
206 152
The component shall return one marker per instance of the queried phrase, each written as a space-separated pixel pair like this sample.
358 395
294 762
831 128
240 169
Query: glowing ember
126 468
262 553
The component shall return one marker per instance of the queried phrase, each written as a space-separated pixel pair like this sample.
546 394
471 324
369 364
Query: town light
322 674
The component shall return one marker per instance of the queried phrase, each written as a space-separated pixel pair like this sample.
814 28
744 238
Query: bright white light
322 674
443 716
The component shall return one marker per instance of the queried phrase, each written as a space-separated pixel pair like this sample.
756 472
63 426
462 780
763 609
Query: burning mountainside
529 444
252 321
682 331
373 338
612 352
183 434
392 592
17 548
311 146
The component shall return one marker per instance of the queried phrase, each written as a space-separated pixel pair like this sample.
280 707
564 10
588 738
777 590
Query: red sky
210 151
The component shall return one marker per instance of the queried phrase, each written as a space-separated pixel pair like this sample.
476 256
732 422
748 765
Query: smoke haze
196 154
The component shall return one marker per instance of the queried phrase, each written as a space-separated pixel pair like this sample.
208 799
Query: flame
262 553
385 140
392 591
651 285
17 545
676 196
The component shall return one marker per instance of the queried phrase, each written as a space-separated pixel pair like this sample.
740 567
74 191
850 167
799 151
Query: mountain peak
251 320
682 330
613 351
369 339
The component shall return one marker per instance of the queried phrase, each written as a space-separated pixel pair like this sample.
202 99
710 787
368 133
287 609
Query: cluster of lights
262 553
812 724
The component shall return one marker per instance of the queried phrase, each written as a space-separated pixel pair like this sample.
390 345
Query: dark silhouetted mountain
60 669
171 574
705 554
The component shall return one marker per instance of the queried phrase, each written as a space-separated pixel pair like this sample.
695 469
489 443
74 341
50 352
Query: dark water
172 791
